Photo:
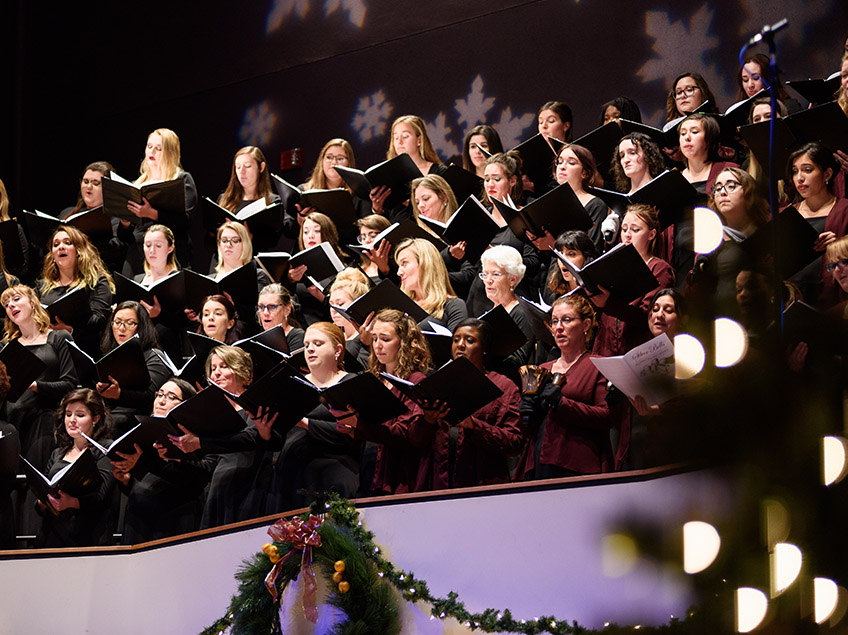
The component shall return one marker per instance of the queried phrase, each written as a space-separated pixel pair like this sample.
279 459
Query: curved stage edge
565 547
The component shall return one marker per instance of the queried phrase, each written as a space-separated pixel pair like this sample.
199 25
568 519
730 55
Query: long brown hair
234 194
318 180
413 352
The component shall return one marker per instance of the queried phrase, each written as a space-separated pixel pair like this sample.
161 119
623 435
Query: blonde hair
584 310
171 263
171 166
841 97
442 189
89 267
318 180
433 277
427 151
11 330
4 202
246 243
236 359
837 250
351 280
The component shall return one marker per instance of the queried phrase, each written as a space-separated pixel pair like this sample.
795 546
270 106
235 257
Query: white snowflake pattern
472 110
439 133
281 9
758 13
258 125
355 10
681 48
511 129
372 116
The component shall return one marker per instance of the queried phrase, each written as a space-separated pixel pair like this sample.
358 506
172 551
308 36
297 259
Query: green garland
370 606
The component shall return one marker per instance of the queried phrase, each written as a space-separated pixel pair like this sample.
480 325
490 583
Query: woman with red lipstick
87 519
274 308
503 178
161 162
128 320
569 421
32 413
74 263
811 169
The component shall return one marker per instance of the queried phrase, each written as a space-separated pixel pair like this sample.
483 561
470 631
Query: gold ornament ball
272 551
337 577
339 565
344 587
266 548
273 557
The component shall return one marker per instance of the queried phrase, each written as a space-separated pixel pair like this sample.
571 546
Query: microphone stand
767 34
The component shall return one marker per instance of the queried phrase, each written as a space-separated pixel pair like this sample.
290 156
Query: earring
585 332
337 357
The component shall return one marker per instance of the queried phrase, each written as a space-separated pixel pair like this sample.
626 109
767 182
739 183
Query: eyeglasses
230 242
366 238
842 263
688 91
92 182
729 186
494 276
261 308
335 158
130 324
167 395
564 321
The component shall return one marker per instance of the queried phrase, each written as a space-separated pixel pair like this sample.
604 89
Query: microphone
767 32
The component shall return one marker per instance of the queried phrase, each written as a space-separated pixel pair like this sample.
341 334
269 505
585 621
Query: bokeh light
825 593
701 544
708 230
786 560
834 450
689 356
731 342
619 554
751 607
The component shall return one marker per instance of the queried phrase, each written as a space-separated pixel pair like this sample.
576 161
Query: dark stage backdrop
87 82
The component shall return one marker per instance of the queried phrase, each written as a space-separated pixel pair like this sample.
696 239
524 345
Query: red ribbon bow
302 535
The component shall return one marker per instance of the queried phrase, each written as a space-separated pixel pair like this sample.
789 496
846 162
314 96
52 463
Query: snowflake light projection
355 10
472 110
439 133
681 47
282 9
258 125
372 116
511 129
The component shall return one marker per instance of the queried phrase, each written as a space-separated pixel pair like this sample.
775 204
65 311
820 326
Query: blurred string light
689 356
785 560
834 451
825 594
751 607
731 342
708 230
701 544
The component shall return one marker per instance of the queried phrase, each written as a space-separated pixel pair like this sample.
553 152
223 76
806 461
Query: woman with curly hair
73 263
85 518
398 348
